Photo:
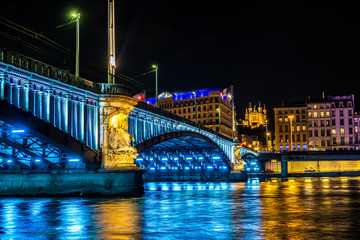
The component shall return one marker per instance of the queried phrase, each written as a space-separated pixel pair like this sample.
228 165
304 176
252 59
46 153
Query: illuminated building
319 124
342 122
207 108
291 132
254 117
357 130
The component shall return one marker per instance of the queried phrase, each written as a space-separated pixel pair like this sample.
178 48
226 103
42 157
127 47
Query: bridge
51 119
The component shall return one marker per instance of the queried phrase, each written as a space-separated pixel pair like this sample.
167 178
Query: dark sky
269 50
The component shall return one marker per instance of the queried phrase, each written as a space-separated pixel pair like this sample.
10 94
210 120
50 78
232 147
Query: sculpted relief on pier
118 152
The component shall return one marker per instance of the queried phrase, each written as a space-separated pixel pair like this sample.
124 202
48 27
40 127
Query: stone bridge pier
115 140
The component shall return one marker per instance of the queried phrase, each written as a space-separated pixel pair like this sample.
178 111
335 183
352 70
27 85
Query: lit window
322 114
298 147
287 147
309 114
315 114
304 147
342 131
327 114
333 132
315 106
281 147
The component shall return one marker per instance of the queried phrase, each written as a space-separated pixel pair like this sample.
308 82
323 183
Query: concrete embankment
312 174
70 183
237 176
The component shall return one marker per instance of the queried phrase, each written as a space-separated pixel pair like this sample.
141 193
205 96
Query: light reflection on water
301 208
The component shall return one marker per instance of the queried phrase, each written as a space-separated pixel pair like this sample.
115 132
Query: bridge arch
182 152
172 135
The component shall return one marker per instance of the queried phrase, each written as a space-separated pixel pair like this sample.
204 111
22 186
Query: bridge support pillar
115 140
284 168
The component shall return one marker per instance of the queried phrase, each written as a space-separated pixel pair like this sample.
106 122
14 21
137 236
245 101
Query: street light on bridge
155 67
219 111
77 20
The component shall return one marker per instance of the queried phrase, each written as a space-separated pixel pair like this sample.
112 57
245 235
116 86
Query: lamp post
291 117
155 67
219 111
77 20
267 136
195 107
111 42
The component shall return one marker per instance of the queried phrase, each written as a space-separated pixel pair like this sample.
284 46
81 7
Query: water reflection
298 208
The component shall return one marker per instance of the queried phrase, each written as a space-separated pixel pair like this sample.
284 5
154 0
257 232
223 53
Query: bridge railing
46 70
167 114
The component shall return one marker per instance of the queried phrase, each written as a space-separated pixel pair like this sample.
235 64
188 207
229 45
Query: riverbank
72 183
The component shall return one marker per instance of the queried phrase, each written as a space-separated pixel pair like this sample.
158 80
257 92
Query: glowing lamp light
38 160
188 158
9 161
74 160
18 131
216 157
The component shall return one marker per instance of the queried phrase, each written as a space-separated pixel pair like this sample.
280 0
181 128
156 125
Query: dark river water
300 208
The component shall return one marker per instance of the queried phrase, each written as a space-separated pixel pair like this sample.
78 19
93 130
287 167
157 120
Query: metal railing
46 70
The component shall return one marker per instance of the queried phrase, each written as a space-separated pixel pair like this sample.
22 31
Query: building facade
319 124
357 131
328 124
342 122
206 107
291 131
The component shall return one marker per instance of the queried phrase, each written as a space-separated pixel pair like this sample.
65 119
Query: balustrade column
144 128
58 111
3 78
26 97
90 126
75 119
96 127
10 99
65 113
39 112
33 102
136 129
82 120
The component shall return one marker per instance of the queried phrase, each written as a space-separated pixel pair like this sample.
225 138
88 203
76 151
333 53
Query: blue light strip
186 95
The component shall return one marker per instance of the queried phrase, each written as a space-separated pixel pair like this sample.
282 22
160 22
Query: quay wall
68 183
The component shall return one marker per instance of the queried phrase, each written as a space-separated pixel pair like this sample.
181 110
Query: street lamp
219 111
77 20
291 117
155 67
267 135
195 106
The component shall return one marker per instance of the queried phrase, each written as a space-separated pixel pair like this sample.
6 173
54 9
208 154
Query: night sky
269 50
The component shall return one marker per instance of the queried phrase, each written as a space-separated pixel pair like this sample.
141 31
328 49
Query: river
299 208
